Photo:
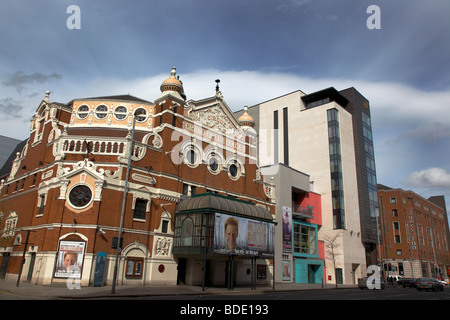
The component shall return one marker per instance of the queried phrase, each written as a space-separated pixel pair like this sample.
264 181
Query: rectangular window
174 117
396 227
421 237
430 237
285 136
165 226
140 209
189 190
275 136
444 242
438 242
134 267
41 204
305 239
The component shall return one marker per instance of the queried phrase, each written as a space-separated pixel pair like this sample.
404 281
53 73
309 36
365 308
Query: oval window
233 170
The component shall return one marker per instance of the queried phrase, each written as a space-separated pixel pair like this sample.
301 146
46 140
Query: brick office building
61 195
414 234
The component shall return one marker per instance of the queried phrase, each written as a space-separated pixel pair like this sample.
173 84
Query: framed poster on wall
243 236
70 258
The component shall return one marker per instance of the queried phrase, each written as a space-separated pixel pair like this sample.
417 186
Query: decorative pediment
84 165
213 113
214 118
81 169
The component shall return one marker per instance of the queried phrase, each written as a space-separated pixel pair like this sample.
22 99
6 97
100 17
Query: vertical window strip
336 169
285 136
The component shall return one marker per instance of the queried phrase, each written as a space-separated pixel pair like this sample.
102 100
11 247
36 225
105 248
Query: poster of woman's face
70 258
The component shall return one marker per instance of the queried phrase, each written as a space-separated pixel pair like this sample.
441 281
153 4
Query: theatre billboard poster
243 237
70 259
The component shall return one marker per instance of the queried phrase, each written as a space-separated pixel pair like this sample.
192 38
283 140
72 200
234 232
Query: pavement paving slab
26 290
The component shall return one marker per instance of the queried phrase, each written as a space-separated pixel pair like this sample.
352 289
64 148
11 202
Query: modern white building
316 134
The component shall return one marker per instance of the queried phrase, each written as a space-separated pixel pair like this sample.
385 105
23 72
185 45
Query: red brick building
414 234
62 197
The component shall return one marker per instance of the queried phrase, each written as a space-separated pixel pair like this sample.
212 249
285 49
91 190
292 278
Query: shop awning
215 202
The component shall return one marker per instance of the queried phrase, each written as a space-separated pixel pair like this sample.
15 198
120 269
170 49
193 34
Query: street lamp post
119 244
23 258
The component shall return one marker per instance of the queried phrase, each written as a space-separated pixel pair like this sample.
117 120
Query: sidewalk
61 291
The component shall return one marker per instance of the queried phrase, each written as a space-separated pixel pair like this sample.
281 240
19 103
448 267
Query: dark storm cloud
19 79
9 108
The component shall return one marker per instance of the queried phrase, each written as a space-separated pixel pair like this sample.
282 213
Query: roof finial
217 86
47 96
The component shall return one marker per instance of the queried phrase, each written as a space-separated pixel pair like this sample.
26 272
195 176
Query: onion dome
246 120
172 83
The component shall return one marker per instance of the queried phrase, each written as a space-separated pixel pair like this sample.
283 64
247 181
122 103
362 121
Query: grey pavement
26 290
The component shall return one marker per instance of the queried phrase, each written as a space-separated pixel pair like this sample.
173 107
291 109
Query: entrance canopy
215 202
201 222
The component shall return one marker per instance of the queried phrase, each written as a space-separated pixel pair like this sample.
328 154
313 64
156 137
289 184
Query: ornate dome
246 120
172 83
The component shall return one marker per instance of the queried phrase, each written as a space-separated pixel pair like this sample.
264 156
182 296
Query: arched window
187 232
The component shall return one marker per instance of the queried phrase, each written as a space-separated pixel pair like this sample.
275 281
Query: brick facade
86 143
414 235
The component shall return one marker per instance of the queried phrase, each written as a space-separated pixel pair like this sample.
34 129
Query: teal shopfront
308 267
308 270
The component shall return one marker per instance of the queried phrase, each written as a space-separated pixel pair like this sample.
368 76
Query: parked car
362 283
400 281
443 282
429 284
409 282
395 280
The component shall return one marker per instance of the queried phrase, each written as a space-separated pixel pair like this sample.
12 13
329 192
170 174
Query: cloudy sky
258 49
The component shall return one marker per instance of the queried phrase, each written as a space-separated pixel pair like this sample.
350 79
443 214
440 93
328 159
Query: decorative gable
213 113
86 177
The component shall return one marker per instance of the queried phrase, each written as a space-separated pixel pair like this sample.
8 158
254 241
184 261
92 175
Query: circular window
120 112
213 164
140 114
101 111
83 112
80 196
